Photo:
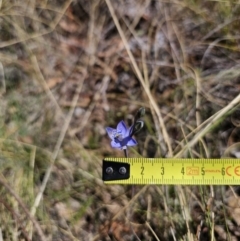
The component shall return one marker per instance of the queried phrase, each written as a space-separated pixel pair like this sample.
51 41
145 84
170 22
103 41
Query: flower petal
131 142
111 132
121 136
122 128
130 131
116 144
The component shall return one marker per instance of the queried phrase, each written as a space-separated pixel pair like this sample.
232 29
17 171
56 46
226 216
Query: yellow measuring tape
171 171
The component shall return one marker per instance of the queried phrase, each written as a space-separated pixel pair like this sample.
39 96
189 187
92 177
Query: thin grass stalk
139 75
211 122
22 205
57 147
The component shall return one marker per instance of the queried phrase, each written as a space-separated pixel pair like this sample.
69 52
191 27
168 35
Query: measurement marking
215 172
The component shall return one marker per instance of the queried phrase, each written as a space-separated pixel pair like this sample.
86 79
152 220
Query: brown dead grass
70 68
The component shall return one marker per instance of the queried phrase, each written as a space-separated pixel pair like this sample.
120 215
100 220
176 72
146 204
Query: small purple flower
121 137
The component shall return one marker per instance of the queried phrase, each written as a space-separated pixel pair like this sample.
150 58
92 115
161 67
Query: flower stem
125 152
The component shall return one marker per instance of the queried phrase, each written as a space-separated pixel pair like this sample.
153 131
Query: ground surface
69 69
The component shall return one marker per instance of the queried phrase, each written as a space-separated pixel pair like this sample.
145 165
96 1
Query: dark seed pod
137 124
140 113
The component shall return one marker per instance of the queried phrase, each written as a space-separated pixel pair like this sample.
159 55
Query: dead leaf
51 83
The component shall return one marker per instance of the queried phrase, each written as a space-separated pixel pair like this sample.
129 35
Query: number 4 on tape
171 171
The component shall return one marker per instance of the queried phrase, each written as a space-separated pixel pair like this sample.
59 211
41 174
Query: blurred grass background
70 68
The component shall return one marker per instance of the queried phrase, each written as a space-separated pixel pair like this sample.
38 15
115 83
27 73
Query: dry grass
70 68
